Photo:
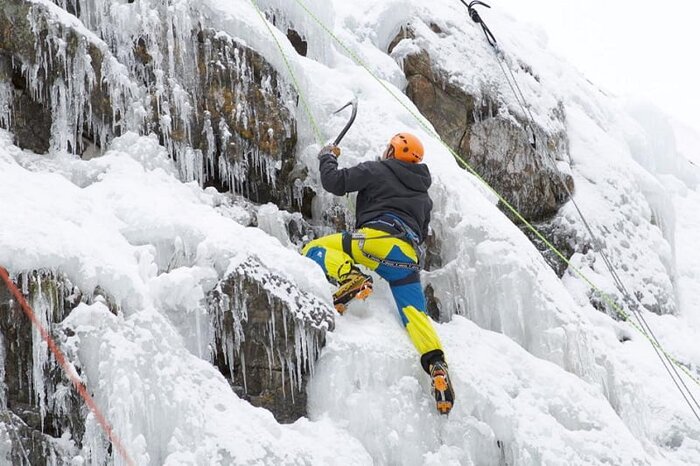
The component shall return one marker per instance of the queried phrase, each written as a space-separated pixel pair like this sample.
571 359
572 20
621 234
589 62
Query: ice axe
353 102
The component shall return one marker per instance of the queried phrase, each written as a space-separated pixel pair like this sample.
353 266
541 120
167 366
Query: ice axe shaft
340 137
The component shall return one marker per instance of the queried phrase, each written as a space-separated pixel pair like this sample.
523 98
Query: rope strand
68 369
644 326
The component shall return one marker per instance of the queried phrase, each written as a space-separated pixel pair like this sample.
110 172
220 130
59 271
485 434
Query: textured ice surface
541 376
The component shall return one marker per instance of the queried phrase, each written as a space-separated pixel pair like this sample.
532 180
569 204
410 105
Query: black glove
330 149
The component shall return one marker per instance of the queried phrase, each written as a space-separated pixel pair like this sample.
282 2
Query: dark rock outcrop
561 236
219 107
268 336
299 43
253 147
39 403
30 46
279 20
498 148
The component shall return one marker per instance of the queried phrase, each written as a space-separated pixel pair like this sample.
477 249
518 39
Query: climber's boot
442 386
353 285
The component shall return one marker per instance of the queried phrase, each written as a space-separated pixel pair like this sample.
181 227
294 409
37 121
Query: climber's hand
330 149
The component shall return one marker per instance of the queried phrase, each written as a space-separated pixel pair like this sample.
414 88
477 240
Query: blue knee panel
318 255
392 274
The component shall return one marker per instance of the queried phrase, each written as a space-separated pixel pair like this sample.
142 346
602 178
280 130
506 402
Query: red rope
60 358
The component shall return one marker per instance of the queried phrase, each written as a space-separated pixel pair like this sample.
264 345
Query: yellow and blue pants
338 253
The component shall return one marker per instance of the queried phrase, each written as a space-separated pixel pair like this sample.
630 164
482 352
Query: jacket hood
414 176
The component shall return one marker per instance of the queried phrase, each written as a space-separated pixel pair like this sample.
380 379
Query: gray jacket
383 186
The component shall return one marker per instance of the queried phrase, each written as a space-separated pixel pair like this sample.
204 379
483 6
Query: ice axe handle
340 137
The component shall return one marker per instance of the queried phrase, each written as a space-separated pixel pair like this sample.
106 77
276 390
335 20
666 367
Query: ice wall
542 377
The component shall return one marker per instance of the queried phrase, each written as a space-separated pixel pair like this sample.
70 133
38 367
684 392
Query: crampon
442 386
354 285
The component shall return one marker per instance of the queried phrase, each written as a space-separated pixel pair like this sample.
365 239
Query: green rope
608 300
314 126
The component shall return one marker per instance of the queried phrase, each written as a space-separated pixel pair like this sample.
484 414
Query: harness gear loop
361 238
383 223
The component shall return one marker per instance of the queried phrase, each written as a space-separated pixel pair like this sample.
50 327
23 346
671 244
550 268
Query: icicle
3 386
271 331
245 380
224 134
299 352
70 92
40 353
282 371
190 164
270 360
210 154
6 95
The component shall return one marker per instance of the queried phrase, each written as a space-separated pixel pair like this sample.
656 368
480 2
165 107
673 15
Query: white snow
541 376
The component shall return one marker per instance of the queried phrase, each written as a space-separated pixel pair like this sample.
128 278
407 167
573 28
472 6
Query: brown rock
268 336
496 147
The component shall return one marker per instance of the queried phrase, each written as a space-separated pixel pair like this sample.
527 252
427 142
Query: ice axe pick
352 103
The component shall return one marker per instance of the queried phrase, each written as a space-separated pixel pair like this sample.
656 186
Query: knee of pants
316 253
328 252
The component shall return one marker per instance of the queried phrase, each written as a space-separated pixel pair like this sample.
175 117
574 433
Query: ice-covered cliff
158 175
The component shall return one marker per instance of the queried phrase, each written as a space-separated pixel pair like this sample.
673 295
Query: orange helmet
406 147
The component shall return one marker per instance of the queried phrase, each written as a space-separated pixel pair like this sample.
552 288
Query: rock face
268 335
482 120
566 239
217 105
498 148
497 143
24 116
38 402
253 148
49 67
226 118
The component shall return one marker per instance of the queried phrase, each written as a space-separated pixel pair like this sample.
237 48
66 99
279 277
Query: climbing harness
428 129
387 223
353 102
67 368
360 238
632 304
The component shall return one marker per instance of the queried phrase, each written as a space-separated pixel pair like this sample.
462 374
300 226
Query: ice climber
392 217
